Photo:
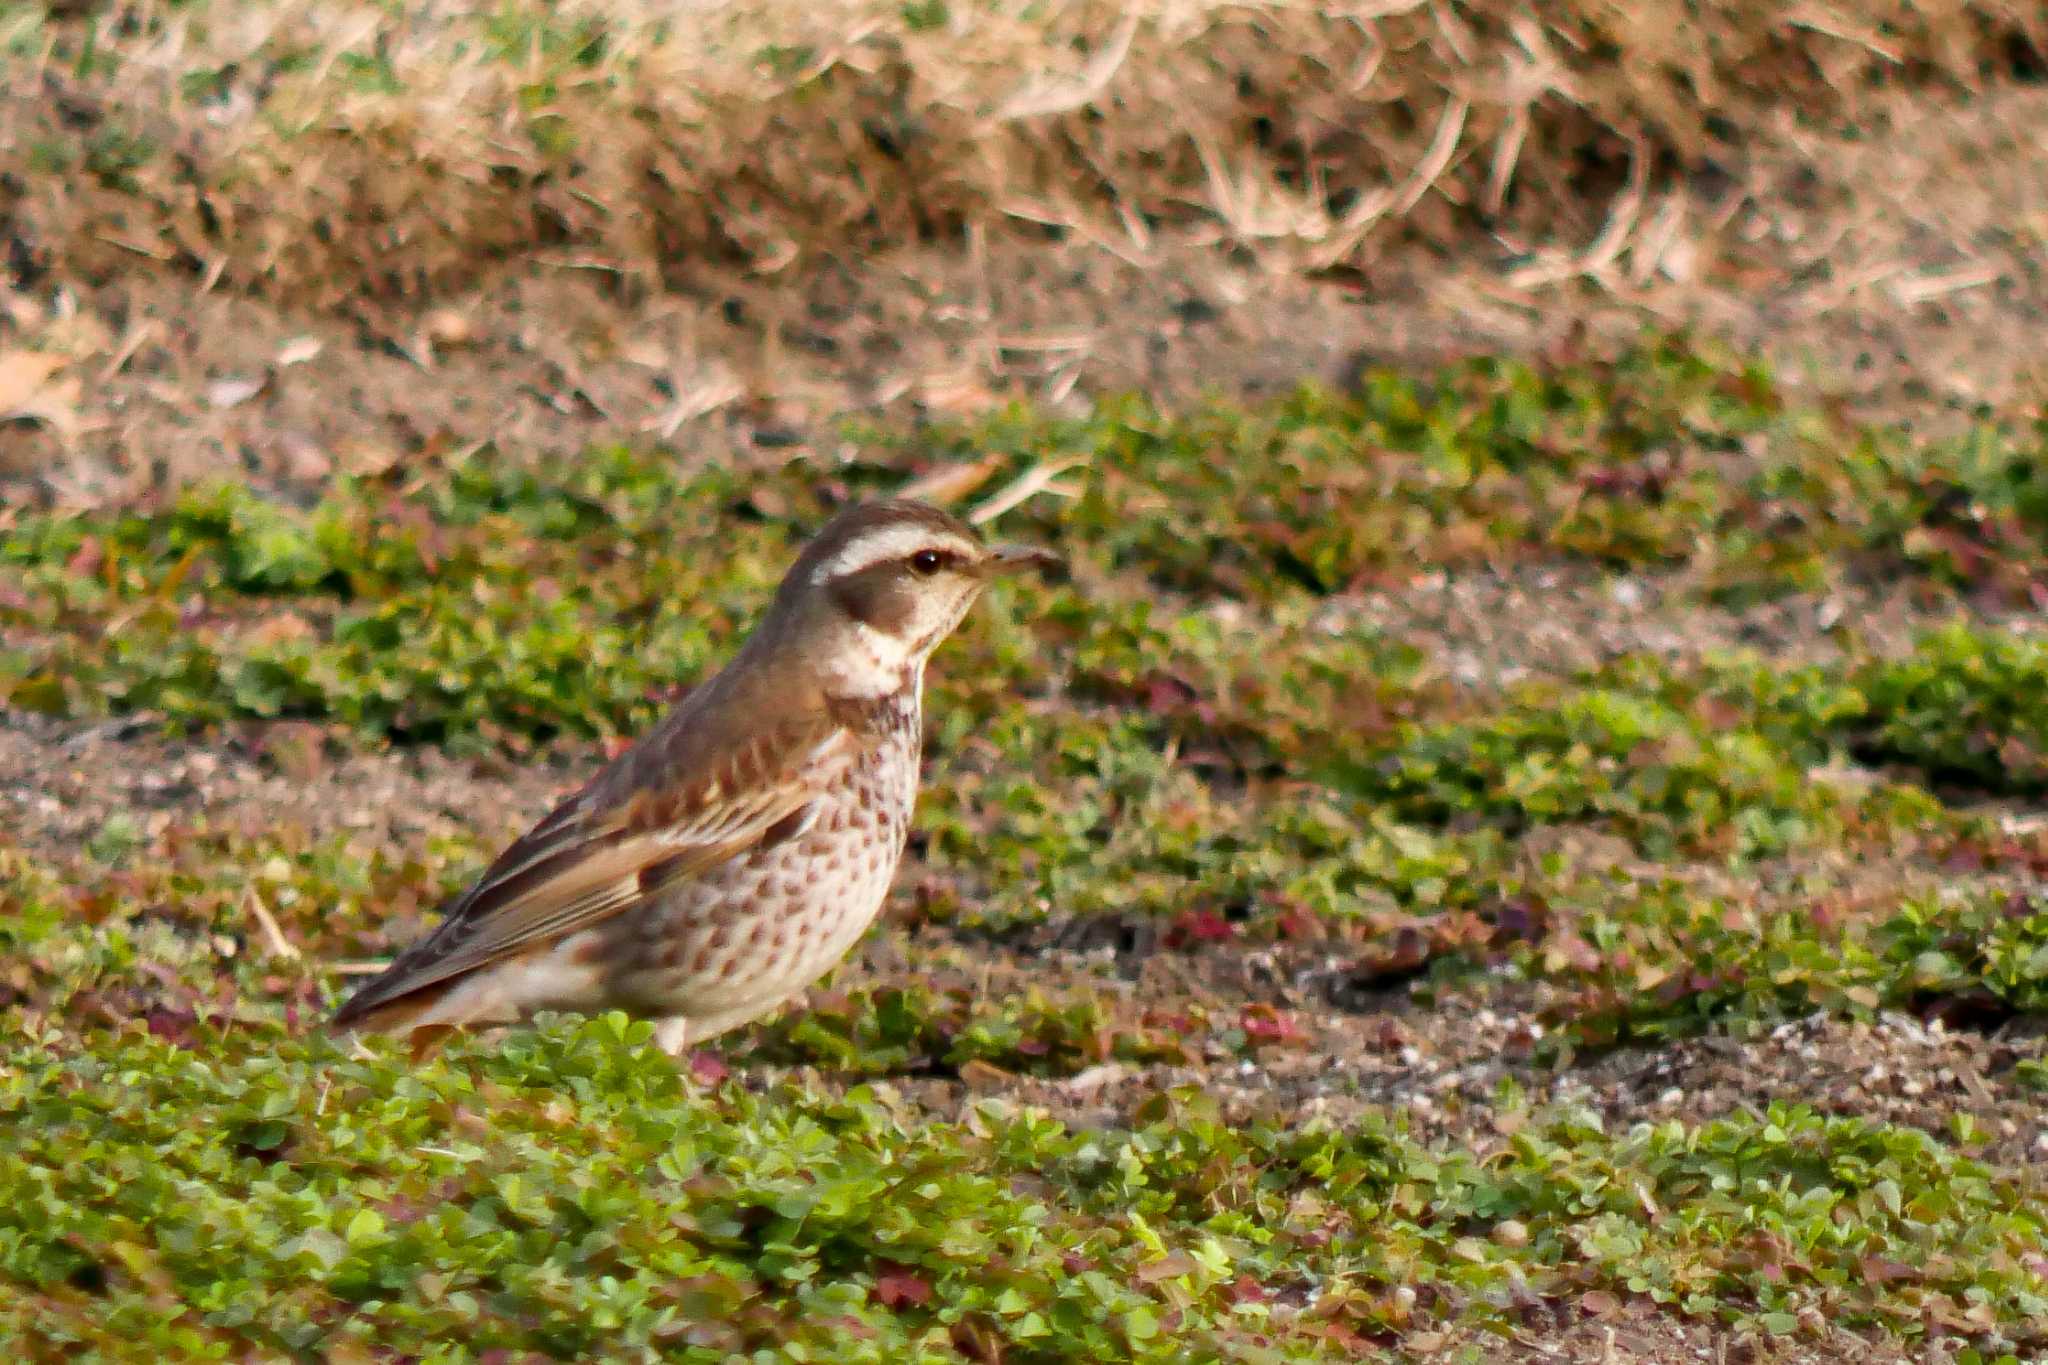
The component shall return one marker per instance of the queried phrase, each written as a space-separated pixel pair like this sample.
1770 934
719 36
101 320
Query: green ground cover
1203 731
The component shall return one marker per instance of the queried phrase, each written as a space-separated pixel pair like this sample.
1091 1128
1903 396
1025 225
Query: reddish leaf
175 1027
1296 921
1568 949
899 1287
1718 714
86 560
1165 693
1264 1024
1245 1289
1199 926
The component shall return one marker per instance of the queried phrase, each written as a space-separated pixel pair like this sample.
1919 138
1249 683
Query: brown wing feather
668 809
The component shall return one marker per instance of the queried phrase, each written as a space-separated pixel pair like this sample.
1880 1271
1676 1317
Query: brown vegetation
318 153
290 240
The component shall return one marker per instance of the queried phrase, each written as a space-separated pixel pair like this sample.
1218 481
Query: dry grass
284 240
318 152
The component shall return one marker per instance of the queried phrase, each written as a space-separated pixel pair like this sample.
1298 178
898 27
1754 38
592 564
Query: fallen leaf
28 391
952 482
1879 1270
282 628
1171 1266
234 390
1264 1024
427 1041
1599 1303
23 374
977 1074
1086 1083
299 350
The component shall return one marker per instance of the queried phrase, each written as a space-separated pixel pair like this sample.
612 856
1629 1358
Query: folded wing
663 812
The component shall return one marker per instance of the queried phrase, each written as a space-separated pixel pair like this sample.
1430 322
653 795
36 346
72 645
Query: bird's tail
420 1017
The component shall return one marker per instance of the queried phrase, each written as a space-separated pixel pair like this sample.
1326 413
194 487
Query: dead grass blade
1040 478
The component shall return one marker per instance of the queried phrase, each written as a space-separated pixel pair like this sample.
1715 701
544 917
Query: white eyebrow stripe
879 547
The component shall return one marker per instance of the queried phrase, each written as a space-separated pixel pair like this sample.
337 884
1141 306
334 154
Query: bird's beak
1006 561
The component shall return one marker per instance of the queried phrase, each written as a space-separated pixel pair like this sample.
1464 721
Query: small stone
446 327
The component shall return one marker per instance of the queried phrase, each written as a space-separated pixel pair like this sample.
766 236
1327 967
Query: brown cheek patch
877 596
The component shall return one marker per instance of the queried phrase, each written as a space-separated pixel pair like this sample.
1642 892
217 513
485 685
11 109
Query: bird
729 858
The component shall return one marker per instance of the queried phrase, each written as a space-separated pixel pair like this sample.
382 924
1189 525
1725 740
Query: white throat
874 665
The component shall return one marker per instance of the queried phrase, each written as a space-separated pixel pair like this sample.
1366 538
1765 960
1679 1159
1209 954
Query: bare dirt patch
63 785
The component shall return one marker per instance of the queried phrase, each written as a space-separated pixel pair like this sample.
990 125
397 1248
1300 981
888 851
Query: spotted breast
738 942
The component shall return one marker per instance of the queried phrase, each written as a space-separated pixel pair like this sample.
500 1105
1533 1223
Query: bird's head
881 585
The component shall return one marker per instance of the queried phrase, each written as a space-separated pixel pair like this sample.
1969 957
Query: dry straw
321 152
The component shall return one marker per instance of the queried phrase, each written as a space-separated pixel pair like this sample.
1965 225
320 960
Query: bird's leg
672 1035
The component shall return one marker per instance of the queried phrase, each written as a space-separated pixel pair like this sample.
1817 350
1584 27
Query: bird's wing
641 825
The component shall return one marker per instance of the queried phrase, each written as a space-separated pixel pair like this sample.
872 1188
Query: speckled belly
735 943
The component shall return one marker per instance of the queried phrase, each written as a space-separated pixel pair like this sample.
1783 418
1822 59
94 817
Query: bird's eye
927 562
